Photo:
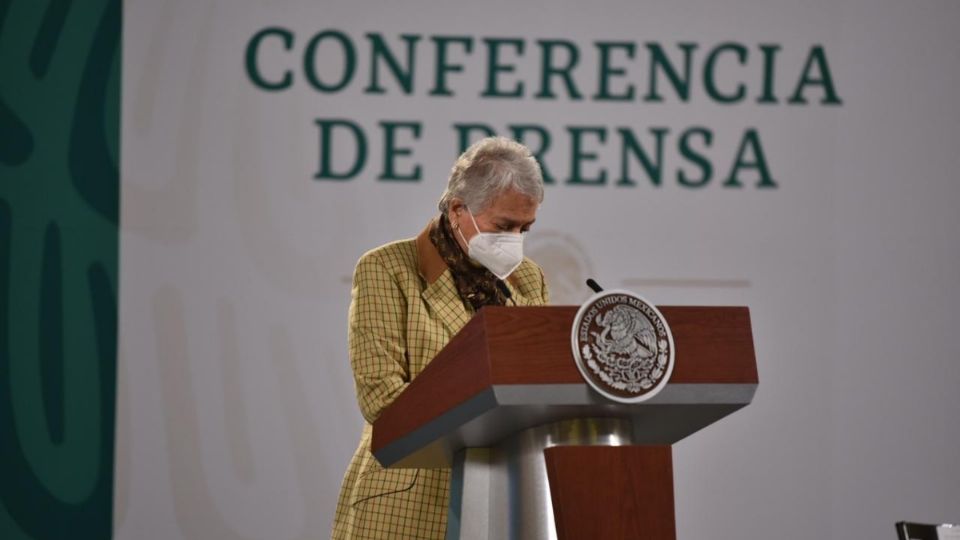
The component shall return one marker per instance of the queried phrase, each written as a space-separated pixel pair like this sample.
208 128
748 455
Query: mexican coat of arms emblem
623 346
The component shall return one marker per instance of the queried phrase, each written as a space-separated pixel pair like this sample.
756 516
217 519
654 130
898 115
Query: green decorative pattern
59 207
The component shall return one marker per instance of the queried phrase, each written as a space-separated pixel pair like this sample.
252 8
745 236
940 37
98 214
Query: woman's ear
454 209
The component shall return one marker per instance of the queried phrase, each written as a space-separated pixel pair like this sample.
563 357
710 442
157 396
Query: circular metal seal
622 346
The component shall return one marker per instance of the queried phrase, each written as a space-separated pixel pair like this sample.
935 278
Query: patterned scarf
476 285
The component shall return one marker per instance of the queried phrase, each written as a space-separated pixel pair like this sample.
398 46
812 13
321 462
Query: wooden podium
534 451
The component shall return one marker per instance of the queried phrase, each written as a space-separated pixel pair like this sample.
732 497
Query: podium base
581 478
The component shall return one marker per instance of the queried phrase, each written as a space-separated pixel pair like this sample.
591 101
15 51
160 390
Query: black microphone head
594 285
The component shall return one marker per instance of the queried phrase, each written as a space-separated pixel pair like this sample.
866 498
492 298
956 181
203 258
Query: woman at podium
409 298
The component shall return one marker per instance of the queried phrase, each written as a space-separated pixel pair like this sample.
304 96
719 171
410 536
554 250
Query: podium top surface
511 368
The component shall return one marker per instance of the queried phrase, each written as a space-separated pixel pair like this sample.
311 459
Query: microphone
506 291
594 285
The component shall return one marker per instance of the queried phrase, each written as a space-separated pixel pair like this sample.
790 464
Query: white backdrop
237 412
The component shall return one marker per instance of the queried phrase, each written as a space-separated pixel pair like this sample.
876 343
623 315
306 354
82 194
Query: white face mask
501 253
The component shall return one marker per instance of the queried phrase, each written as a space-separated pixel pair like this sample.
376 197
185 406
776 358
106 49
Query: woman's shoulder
528 269
396 256
529 280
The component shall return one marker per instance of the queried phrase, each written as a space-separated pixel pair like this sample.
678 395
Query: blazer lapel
440 292
445 303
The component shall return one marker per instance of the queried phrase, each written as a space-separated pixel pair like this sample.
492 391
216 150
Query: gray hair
488 168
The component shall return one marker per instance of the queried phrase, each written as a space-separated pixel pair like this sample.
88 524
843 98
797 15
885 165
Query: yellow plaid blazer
404 309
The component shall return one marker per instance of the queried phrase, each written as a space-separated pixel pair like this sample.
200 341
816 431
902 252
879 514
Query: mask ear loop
475 226
464 238
456 227
469 213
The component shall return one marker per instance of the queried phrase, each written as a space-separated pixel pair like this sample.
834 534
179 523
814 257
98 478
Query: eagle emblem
623 346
